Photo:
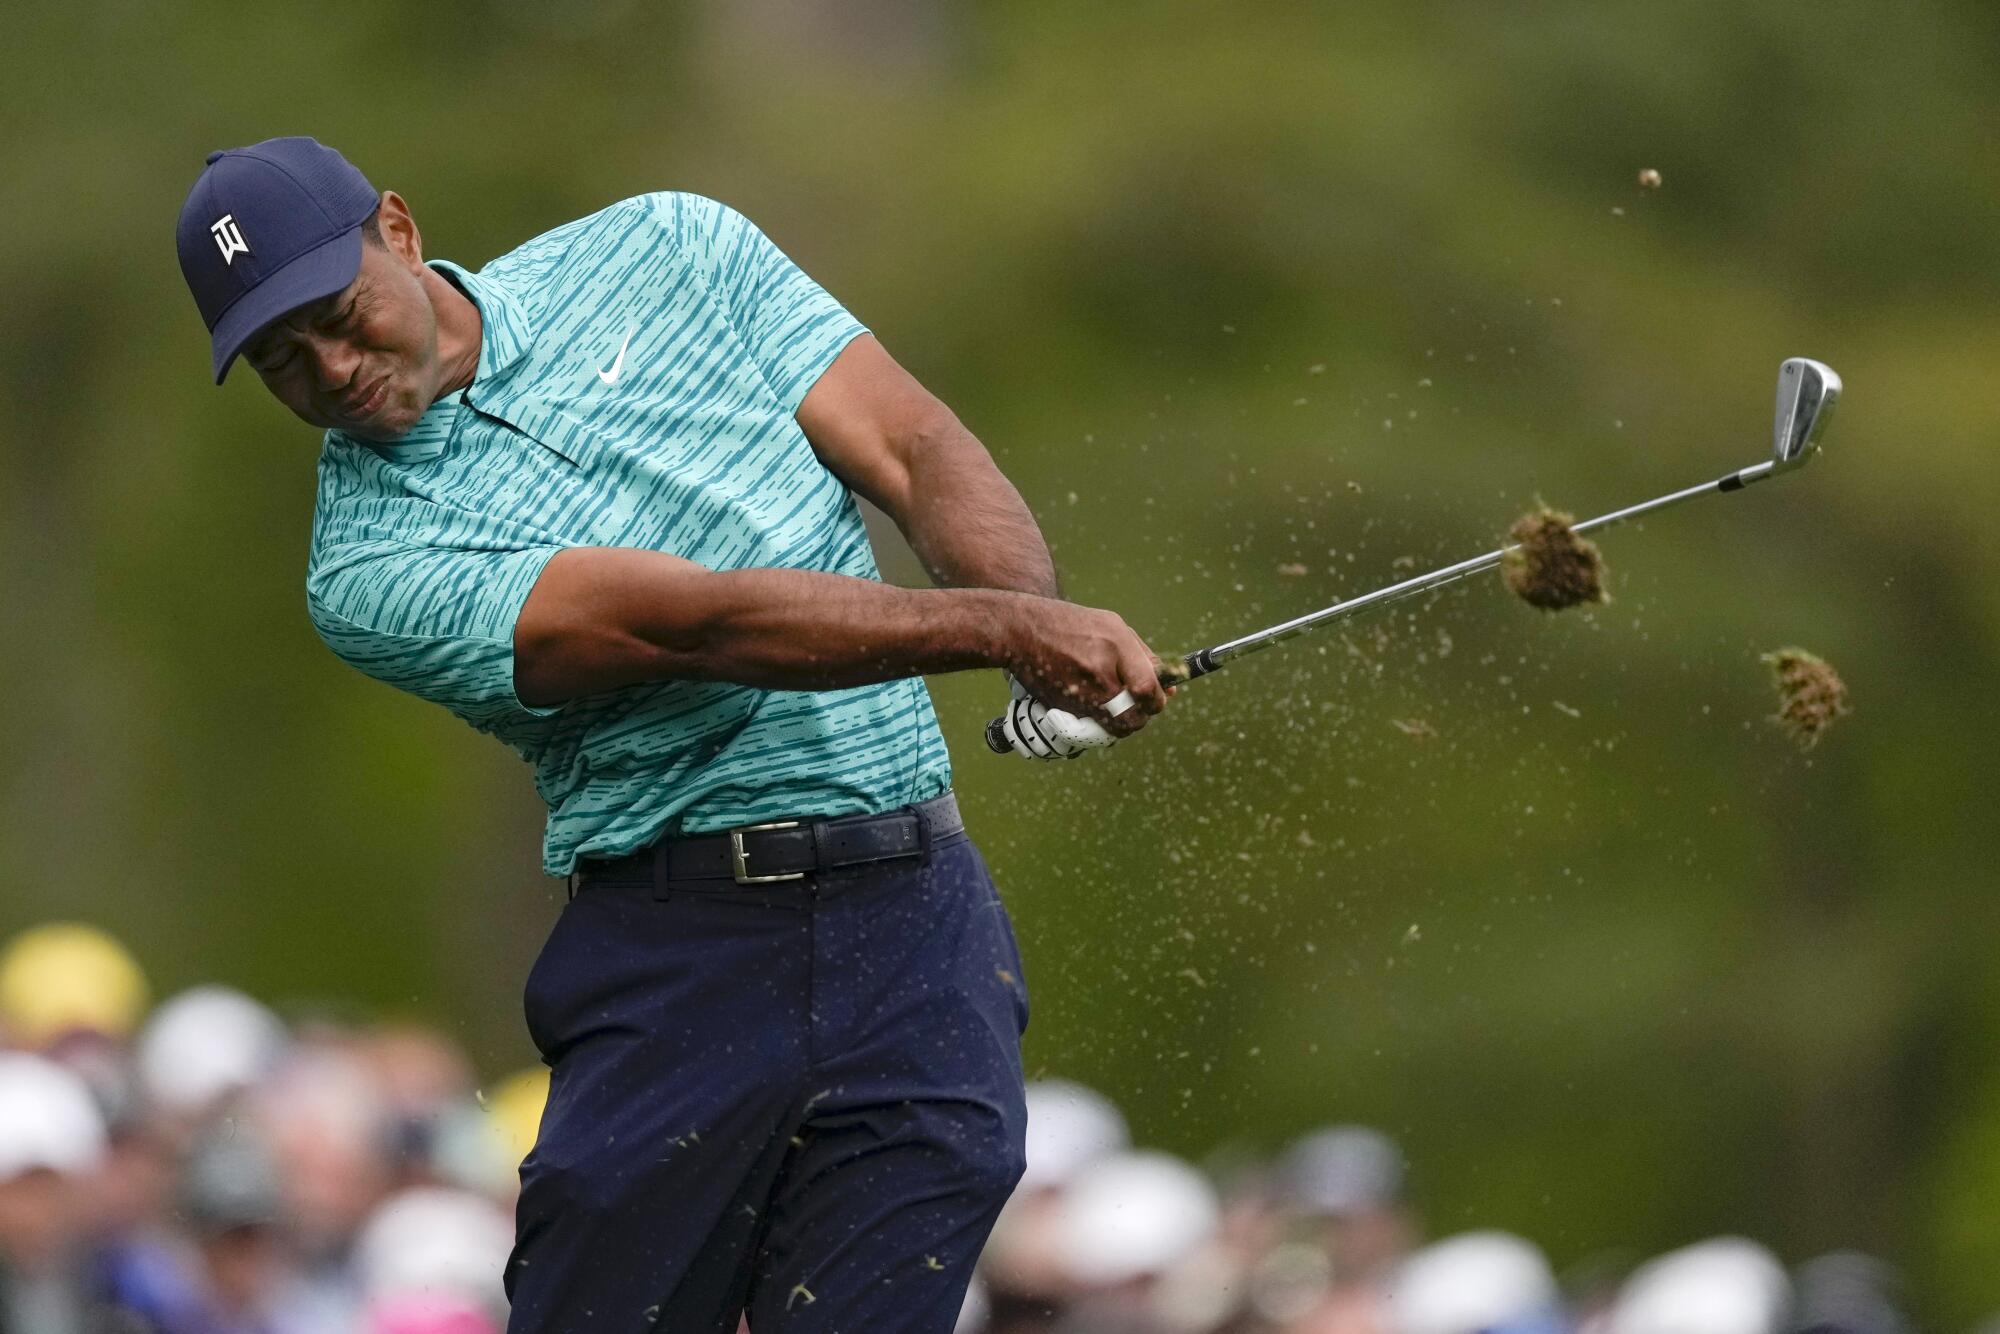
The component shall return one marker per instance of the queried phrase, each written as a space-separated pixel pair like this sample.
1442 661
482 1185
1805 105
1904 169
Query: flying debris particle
1416 728
1649 179
1317 368
1561 707
1413 935
932 1263
1192 976
1550 566
1810 694
1355 487
1617 212
1291 569
1004 975
1305 839
799 1290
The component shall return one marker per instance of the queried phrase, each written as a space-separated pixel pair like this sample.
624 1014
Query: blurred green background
1225 288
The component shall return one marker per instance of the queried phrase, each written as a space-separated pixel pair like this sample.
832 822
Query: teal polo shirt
639 372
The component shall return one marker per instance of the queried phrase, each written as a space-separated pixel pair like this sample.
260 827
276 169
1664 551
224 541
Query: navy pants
801 1102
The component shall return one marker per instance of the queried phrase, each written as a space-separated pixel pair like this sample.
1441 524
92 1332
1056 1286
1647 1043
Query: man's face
364 360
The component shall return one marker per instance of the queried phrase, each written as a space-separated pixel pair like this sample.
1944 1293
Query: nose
333 364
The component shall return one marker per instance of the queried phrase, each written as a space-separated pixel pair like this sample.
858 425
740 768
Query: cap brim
318 273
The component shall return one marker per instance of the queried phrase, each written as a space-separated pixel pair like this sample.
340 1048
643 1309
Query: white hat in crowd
436 1243
205 1044
47 1119
1471 1282
1724 1286
1132 1215
1069 1127
1342 1170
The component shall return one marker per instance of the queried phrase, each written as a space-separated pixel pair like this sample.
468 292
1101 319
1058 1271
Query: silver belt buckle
739 864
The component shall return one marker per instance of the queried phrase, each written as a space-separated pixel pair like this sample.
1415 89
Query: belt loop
570 884
923 835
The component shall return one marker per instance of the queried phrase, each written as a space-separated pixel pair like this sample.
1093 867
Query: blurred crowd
200 1166
1104 1238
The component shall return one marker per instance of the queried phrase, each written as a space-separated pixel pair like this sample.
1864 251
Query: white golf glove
1038 732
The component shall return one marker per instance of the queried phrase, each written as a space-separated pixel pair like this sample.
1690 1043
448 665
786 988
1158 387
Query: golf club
1807 392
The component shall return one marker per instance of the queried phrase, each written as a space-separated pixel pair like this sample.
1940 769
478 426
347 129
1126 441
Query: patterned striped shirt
639 372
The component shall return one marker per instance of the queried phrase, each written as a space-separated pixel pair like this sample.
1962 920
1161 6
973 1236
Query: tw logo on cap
228 238
303 203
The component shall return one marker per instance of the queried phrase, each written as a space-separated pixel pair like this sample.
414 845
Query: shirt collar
505 334
506 331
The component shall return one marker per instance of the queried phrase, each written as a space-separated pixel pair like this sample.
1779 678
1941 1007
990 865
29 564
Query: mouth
357 407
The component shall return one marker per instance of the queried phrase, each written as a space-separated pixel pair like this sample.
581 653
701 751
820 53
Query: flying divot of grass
1810 694
1551 567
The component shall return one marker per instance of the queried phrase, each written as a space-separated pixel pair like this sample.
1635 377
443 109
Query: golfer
597 499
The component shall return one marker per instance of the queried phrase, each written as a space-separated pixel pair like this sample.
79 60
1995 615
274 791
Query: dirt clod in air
1649 179
1415 728
1810 694
1551 567
1292 569
1173 671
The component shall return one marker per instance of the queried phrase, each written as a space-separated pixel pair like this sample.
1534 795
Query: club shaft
1203 661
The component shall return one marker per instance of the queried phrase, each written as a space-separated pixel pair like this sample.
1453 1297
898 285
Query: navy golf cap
266 230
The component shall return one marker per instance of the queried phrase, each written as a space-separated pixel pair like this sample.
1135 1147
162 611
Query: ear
399 231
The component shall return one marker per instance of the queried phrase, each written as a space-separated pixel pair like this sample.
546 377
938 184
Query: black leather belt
763 854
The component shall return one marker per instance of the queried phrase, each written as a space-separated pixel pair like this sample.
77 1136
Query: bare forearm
600 618
891 440
603 618
968 524
805 630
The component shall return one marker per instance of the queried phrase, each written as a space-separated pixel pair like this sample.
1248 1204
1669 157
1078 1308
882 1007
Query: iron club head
1807 391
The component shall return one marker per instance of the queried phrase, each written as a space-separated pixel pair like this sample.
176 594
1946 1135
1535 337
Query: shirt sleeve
437 622
792 327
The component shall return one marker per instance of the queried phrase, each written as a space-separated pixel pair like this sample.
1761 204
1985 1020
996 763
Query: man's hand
1033 731
1079 659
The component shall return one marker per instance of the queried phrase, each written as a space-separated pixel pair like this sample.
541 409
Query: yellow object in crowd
65 977
516 1104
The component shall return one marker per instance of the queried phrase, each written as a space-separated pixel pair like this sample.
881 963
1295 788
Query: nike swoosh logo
610 377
